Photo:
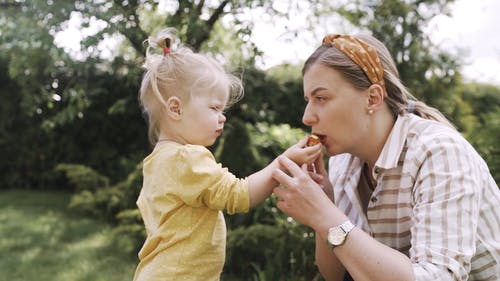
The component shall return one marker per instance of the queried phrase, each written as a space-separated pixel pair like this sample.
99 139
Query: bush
81 178
281 251
95 197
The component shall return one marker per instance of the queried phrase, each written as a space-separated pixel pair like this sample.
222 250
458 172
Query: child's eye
216 108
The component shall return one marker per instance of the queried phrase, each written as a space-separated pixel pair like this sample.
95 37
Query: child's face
203 118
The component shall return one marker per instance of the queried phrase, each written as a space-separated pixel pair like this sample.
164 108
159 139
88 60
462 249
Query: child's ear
173 107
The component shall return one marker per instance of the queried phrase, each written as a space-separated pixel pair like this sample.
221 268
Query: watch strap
347 226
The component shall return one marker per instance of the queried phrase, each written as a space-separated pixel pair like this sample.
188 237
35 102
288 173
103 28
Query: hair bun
163 39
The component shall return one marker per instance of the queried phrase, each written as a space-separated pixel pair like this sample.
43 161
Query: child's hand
300 153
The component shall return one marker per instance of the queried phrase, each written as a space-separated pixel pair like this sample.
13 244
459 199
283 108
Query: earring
370 111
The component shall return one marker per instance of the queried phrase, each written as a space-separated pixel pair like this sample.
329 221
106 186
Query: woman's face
335 110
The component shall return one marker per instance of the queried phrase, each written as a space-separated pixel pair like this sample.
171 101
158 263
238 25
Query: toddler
184 95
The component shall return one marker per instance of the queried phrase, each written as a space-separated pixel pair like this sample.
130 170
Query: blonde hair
398 97
182 73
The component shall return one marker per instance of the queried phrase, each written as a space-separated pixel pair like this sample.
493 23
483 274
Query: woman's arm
364 257
329 265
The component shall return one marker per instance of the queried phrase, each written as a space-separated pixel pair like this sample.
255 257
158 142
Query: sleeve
446 209
206 182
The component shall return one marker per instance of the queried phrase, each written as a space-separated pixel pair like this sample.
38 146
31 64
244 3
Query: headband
364 55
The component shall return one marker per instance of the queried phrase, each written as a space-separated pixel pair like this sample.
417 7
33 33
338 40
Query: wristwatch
338 234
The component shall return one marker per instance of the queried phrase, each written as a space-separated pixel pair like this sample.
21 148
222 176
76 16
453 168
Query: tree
484 101
429 72
65 99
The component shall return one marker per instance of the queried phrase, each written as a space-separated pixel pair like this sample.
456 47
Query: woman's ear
376 97
173 107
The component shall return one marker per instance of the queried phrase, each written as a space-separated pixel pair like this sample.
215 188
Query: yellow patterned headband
364 55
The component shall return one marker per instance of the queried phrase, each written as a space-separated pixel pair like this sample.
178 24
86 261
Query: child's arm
261 183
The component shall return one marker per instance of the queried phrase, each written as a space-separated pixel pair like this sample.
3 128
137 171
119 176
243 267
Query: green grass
40 240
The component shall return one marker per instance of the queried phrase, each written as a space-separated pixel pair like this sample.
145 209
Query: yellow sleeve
203 181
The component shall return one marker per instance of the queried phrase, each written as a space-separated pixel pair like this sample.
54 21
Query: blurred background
72 136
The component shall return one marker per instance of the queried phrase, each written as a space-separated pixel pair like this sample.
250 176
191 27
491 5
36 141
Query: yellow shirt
183 193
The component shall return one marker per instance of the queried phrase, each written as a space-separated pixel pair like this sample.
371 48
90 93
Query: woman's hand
319 174
301 197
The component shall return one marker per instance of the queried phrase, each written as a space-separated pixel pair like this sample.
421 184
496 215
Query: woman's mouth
321 137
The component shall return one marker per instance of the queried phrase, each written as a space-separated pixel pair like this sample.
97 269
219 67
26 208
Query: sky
474 27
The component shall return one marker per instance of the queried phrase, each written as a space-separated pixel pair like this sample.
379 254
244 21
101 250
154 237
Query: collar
393 146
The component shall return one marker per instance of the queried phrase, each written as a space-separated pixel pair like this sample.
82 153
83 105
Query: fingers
318 178
302 142
289 166
281 177
279 192
319 164
311 153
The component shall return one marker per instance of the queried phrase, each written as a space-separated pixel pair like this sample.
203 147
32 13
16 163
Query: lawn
40 240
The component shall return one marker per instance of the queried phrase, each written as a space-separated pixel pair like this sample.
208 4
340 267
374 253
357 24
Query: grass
40 241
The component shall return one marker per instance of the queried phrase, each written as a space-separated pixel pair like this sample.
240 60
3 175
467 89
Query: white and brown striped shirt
435 200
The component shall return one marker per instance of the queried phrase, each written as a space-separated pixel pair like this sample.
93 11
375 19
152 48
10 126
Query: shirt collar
394 144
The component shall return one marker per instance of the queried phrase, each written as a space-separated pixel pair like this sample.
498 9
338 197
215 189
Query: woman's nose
308 118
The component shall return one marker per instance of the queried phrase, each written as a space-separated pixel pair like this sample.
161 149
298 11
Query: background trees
71 120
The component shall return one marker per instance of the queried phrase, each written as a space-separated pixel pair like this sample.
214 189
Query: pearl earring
370 111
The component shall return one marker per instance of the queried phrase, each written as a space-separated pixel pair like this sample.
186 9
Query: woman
406 196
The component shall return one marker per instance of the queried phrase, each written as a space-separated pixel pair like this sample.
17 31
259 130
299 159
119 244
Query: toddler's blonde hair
179 72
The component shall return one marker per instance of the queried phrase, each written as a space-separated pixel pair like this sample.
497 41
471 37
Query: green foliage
281 251
274 246
266 93
82 178
485 133
130 230
84 109
246 160
108 202
95 198
486 139
265 144
42 241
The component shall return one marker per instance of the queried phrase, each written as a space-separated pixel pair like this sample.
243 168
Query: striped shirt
435 201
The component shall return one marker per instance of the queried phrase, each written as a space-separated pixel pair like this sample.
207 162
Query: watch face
336 236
